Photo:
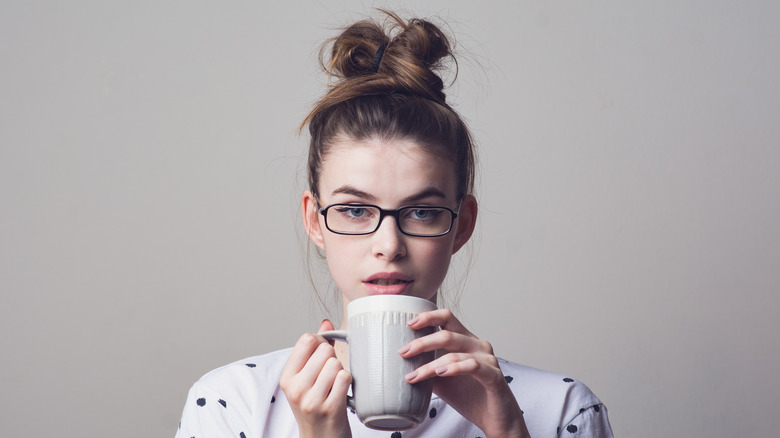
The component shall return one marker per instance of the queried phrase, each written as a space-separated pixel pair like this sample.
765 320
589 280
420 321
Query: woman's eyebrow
349 190
430 192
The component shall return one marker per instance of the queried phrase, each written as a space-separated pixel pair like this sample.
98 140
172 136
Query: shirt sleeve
591 422
207 415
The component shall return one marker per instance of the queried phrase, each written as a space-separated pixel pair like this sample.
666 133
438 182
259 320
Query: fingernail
413 321
403 350
441 370
411 376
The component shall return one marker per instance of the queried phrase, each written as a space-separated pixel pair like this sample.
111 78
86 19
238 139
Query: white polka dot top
243 400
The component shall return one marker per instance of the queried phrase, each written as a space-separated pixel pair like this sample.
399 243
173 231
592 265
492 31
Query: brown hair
400 98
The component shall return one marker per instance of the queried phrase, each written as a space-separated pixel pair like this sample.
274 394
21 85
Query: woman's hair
387 86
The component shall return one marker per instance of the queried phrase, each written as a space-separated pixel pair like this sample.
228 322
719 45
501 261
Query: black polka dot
273 399
571 428
582 410
558 430
568 379
223 403
509 379
242 435
180 425
596 408
432 413
396 435
201 402
251 365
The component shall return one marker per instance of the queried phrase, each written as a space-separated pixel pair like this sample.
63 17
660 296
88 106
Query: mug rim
392 303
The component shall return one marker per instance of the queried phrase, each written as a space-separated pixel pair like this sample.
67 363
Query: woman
391 173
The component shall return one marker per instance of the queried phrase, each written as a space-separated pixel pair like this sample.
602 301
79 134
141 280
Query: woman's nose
388 241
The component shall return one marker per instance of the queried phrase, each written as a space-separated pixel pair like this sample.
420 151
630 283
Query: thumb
326 325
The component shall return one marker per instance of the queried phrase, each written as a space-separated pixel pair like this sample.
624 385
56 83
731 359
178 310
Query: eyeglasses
361 219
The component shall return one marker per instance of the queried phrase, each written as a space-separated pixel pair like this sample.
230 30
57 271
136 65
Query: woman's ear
467 220
311 216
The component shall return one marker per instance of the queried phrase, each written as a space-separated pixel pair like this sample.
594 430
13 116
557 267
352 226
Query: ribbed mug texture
378 371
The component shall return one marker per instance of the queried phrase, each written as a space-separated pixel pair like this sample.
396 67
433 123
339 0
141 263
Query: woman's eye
353 212
424 213
357 212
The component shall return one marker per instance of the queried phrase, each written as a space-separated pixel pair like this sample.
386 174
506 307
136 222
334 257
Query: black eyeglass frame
383 213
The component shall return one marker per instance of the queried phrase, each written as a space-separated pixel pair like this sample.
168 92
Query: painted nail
413 321
403 350
441 370
411 376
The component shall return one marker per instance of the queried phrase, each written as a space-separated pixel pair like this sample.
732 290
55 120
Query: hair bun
414 54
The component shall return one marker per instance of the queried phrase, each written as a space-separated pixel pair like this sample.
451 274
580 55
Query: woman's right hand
316 385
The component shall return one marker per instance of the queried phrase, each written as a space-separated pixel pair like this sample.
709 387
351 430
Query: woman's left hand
467 376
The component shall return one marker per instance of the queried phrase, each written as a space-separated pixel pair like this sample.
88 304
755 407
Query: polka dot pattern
431 414
573 429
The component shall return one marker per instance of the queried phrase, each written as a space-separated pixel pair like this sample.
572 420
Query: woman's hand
315 385
467 377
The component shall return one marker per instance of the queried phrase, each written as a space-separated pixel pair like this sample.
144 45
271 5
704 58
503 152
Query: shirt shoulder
232 398
263 370
554 402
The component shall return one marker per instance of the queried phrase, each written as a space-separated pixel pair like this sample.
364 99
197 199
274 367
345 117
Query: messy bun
386 82
409 61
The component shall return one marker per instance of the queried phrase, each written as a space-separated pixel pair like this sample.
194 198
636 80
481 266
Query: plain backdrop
150 174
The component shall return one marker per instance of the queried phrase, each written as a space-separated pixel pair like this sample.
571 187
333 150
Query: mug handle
339 335
334 335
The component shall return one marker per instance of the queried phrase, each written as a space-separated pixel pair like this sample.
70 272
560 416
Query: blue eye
353 212
424 213
357 212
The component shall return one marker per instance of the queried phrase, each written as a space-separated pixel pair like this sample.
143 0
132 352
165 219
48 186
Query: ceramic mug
377 327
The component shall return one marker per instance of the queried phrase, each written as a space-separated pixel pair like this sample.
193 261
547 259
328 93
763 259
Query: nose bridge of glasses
391 213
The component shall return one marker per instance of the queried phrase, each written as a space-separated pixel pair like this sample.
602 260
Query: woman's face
388 174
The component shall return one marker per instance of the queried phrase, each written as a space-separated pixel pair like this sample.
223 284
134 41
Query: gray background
150 174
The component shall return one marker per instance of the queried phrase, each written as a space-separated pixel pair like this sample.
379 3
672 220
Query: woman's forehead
386 167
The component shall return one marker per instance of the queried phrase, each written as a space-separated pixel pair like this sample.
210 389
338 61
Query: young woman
391 172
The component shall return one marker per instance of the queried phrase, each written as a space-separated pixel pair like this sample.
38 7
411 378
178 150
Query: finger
439 318
338 393
484 373
446 340
302 351
324 382
305 378
483 368
325 326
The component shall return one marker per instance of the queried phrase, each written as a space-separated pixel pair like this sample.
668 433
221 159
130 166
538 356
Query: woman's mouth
388 284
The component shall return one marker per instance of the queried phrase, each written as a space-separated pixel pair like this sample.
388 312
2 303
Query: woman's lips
387 283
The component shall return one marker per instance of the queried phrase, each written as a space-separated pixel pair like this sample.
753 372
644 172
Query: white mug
377 327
